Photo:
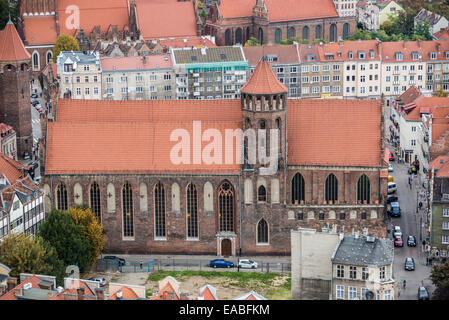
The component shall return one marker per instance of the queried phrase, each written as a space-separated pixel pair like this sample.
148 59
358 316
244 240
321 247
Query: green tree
252 42
423 30
69 239
93 231
440 93
30 255
440 278
5 11
64 43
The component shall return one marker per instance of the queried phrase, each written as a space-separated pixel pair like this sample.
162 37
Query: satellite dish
369 295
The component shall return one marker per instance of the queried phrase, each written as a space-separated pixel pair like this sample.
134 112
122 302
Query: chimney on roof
438 46
50 295
11 283
80 292
419 43
99 292
18 292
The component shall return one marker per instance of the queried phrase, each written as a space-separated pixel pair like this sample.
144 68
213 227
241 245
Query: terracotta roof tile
280 10
423 48
136 62
11 46
12 169
10 295
334 132
93 13
263 81
285 54
443 34
165 18
127 293
441 166
189 41
5 128
40 30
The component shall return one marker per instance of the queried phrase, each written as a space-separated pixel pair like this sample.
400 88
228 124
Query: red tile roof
334 132
136 62
438 129
165 18
423 48
263 81
280 10
12 169
441 166
93 13
127 293
341 50
11 46
40 30
285 54
426 105
208 292
5 128
443 34
10 295
166 293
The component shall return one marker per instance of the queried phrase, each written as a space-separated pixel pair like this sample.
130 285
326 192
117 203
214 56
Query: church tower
264 111
15 64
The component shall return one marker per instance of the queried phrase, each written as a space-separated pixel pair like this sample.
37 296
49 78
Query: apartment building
285 63
8 141
21 201
138 78
346 8
403 65
209 73
361 69
362 268
79 74
438 66
321 71
439 207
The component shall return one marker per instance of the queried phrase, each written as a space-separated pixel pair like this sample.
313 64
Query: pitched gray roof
360 252
215 54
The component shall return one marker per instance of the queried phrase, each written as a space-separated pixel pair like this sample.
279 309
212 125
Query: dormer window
272 58
361 54
351 55
415 56
68 67
446 54
399 56
433 55
371 54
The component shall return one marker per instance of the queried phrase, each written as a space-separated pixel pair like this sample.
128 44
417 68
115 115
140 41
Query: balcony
196 93
412 72
396 72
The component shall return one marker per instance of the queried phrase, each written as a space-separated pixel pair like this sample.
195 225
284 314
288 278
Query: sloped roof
285 54
188 41
127 294
136 63
165 18
252 295
40 30
263 81
208 292
334 132
441 166
33 280
357 251
93 13
442 34
214 54
280 10
12 169
407 48
11 46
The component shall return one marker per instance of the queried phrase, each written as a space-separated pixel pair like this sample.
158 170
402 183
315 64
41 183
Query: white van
392 187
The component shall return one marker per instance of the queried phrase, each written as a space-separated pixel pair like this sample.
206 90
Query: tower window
262 194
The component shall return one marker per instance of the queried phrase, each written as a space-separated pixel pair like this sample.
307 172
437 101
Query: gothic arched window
333 33
226 207
262 232
192 211
262 194
277 35
331 192
95 203
61 197
318 32
159 210
363 189
298 192
128 210
227 37
238 35
305 33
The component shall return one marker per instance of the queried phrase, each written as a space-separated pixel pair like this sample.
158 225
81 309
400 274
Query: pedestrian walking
404 283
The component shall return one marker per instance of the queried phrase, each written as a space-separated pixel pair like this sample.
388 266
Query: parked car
390 167
411 241
100 280
392 198
114 258
395 209
392 188
398 242
33 164
397 231
391 156
248 264
423 294
221 263
34 103
409 264
34 95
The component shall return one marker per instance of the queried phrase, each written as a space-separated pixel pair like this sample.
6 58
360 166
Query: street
410 223
35 122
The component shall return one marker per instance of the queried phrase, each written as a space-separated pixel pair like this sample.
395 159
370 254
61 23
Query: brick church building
270 21
122 159
15 64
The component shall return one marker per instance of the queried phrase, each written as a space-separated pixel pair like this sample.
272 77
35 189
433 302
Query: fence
183 264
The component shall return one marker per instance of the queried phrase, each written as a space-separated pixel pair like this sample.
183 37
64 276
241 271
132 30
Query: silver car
100 280
248 264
